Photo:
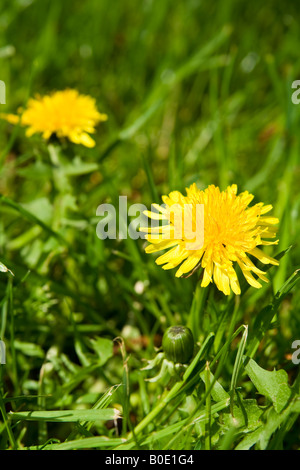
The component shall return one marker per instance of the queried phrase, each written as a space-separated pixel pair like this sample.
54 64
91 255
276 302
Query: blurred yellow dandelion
232 232
67 114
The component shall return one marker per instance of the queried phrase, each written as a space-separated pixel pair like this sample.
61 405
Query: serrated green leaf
272 422
246 416
217 392
249 440
271 384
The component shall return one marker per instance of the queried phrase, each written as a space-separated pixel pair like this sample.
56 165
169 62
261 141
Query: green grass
194 92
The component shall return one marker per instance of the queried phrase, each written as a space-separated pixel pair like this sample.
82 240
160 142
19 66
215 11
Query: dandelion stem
172 393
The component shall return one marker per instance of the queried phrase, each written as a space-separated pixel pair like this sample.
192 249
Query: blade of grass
237 366
265 317
207 438
99 442
7 424
161 91
125 386
32 218
66 416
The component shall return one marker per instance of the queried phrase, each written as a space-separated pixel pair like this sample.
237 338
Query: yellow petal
87 141
12 118
160 208
268 221
235 286
222 280
157 230
248 276
263 257
187 266
160 246
155 215
170 256
207 274
175 262
266 209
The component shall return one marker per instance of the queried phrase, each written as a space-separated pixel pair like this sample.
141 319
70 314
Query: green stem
171 394
6 423
155 412
12 334
208 408
197 308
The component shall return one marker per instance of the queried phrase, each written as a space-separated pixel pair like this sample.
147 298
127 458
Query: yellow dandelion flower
232 231
63 113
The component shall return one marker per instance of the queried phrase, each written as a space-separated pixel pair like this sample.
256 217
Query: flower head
63 113
232 232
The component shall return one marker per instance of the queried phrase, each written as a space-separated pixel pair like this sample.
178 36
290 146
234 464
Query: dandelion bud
178 344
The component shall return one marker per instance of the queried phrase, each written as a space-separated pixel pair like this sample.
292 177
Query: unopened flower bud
178 344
